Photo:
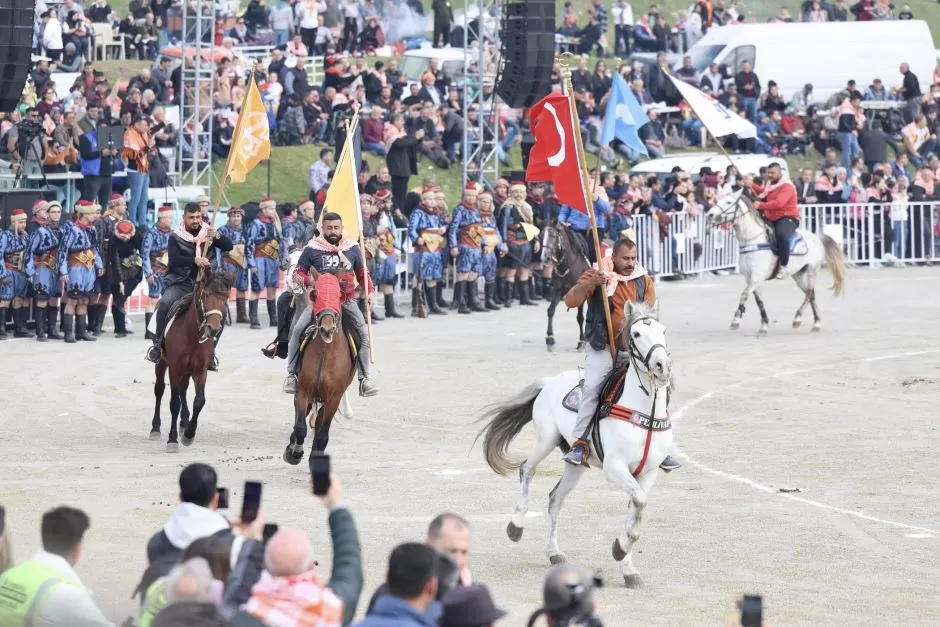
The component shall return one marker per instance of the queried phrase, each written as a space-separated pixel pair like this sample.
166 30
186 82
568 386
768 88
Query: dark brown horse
327 368
187 349
569 256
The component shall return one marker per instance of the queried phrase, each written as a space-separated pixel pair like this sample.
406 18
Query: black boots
472 291
241 313
374 316
41 324
415 298
68 322
82 330
489 292
95 319
460 298
253 314
147 318
498 291
507 293
431 296
390 311
3 323
52 316
120 320
525 293
20 316
439 294
272 312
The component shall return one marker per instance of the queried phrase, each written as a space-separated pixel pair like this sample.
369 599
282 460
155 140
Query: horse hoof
155 435
184 424
514 532
817 328
735 324
618 551
797 323
172 447
557 559
579 346
549 341
185 441
762 332
633 581
292 456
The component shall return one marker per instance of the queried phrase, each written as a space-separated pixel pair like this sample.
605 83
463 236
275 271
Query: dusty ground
847 416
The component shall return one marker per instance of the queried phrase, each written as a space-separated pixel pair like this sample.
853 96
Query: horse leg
637 491
176 393
580 328
801 279
295 449
159 387
550 332
569 479
526 473
345 406
199 402
184 405
817 321
764 321
739 313
321 433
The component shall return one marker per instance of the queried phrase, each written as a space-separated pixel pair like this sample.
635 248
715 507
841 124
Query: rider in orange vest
777 202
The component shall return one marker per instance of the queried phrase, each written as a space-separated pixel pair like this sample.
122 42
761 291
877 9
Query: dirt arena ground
846 416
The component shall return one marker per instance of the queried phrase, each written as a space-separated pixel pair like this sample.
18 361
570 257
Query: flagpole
588 201
350 137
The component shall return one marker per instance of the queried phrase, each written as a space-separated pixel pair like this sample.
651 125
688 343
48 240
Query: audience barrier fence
869 234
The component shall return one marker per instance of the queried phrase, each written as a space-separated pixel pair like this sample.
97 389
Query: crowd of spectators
204 569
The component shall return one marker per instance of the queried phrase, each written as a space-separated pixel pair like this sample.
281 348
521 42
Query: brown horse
187 349
327 368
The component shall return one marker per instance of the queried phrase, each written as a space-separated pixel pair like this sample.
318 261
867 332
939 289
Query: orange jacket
625 292
780 202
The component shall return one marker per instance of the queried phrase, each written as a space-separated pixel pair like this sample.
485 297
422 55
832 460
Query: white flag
717 119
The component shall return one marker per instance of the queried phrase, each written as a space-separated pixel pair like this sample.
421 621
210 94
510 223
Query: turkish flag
554 156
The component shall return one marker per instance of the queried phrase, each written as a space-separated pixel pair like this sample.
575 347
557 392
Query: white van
827 54
414 63
717 162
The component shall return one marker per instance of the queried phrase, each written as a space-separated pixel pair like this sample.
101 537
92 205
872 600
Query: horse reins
204 317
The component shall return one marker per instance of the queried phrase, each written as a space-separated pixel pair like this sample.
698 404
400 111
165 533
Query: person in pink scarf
185 258
776 200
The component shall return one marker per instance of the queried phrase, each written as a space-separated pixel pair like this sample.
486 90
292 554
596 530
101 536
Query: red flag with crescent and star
554 157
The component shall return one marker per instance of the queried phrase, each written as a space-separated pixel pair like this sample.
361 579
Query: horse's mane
614 378
220 283
577 243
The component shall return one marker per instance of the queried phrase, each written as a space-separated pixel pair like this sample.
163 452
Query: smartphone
752 611
269 530
251 502
223 497
320 471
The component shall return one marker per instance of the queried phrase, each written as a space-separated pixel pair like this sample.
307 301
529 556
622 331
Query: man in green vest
44 591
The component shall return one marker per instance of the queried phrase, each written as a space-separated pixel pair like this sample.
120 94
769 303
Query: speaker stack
528 51
16 43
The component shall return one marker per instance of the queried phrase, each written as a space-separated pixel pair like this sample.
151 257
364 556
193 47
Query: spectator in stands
52 36
874 143
373 132
281 20
654 136
379 181
412 590
802 99
805 188
748 85
829 188
46 590
100 12
319 171
910 93
851 119
917 140
454 130
713 79
687 71
98 155
402 156
292 587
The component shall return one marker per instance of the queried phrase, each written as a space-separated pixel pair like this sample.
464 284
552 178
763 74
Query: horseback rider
777 202
331 252
184 260
624 280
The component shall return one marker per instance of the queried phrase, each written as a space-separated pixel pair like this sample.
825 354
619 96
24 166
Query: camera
27 131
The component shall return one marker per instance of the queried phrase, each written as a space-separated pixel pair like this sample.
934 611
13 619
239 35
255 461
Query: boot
414 301
458 294
516 292
52 316
20 315
272 312
41 325
472 290
375 317
439 294
95 312
253 314
536 287
82 331
489 291
431 297
68 322
390 311
460 297
524 294
241 313
3 323
578 455
498 291
117 313
507 293
147 317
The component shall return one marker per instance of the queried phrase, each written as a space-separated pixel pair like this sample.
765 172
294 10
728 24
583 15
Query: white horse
633 441
757 261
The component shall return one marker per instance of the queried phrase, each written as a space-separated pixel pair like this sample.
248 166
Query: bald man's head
288 553
190 581
450 533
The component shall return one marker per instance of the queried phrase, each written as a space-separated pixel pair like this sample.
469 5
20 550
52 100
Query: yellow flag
251 142
342 197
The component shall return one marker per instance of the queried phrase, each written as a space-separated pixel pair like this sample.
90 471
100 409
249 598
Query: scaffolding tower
197 97
480 68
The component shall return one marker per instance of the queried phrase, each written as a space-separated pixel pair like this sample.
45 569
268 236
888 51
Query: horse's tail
506 421
835 260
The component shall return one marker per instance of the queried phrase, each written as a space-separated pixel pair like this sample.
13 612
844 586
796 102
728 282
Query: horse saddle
351 337
798 244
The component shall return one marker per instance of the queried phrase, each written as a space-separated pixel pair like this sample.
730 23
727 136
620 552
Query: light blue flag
624 117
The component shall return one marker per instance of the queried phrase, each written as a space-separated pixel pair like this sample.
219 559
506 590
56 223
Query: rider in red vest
777 202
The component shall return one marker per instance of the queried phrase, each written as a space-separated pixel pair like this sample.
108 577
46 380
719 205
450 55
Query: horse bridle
205 333
636 357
